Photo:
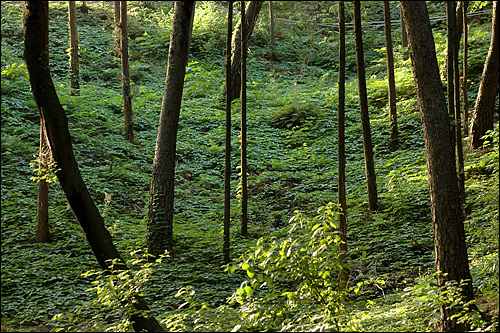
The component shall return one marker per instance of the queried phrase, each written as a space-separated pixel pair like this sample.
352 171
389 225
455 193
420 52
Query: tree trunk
127 97
465 70
450 22
482 119
458 119
227 170
117 30
447 219
244 189
371 181
73 37
68 173
161 200
42 234
272 52
404 39
252 12
341 145
393 115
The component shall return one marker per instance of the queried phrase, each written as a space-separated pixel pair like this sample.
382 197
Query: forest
249 166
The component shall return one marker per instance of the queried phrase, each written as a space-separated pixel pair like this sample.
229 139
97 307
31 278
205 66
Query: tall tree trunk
447 219
117 29
42 233
73 38
341 145
227 170
404 39
371 181
127 96
393 115
244 189
68 173
465 69
272 52
252 12
161 195
450 22
482 118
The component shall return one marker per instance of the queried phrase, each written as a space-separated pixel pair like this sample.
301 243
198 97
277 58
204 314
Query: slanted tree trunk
371 181
244 189
447 219
252 12
393 115
482 118
127 96
161 195
227 170
73 38
68 173
341 145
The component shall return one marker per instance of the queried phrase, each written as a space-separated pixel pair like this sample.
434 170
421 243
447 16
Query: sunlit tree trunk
244 189
450 22
482 118
161 195
465 70
42 232
73 38
68 173
341 145
252 12
447 219
371 181
393 115
117 30
227 170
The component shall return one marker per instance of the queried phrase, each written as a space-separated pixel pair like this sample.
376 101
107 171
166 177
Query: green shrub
294 115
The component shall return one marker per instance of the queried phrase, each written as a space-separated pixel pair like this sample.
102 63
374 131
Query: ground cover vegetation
283 276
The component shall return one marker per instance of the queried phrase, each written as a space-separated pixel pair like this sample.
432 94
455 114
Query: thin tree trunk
73 37
450 21
161 195
252 12
404 39
393 115
227 170
482 118
272 53
371 181
447 219
68 173
117 30
465 70
244 189
341 145
127 96
458 120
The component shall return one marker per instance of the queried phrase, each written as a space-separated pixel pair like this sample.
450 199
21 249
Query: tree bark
272 52
68 173
447 219
465 69
127 96
252 12
227 170
393 115
404 39
458 117
371 181
244 189
161 202
482 118
116 30
341 145
73 37
450 87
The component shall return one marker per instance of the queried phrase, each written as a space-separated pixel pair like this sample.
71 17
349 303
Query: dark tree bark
161 195
227 170
127 96
450 21
341 144
447 219
404 39
393 115
482 118
68 173
371 181
252 12
73 37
